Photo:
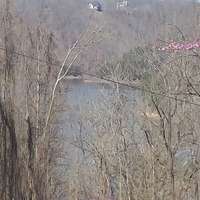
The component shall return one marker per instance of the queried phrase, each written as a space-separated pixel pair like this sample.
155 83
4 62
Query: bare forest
99 104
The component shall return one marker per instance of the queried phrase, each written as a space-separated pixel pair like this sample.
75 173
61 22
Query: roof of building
96 4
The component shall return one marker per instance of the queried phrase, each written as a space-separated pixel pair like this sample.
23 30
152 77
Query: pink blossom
174 46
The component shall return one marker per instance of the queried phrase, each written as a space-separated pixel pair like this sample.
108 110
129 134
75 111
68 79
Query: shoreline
88 79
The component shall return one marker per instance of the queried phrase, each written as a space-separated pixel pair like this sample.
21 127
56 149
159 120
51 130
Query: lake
83 97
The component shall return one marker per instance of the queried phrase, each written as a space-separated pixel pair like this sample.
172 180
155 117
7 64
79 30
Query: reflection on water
85 98
81 97
79 93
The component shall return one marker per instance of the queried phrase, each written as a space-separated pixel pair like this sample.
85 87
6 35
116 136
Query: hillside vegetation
141 23
122 149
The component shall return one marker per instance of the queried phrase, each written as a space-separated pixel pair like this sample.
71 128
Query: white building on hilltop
95 5
122 4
